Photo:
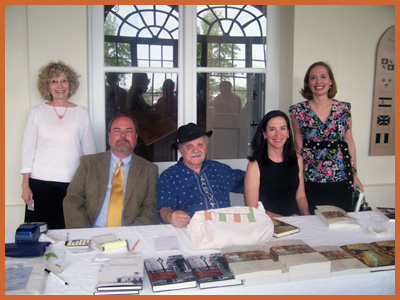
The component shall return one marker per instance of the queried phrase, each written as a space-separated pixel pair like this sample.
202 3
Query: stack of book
120 276
299 259
168 273
253 265
377 256
335 217
342 263
211 270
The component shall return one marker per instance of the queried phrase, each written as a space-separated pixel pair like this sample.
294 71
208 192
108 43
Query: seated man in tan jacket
95 198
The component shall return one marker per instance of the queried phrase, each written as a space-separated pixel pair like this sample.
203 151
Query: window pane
228 104
228 33
127 28
144 36
152 99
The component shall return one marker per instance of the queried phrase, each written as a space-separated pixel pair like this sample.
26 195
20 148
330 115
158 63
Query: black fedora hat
188 133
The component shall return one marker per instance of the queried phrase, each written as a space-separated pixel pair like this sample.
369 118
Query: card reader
30 232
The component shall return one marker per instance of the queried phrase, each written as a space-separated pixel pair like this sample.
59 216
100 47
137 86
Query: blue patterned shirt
181 188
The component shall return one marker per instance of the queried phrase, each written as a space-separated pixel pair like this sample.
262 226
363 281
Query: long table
81 268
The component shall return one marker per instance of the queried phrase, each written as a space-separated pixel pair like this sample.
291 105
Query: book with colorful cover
387 212
283 229
169 273
335 217
376 256
253 265
386 247
299 259
342 263
212 270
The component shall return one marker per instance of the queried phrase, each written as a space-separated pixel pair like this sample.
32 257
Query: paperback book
169 273
212 270
253 265
378 256
387 212
299 259
283 229
120 276
335 217
342 263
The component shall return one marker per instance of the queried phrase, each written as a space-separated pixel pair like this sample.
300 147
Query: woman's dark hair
260 146
306 91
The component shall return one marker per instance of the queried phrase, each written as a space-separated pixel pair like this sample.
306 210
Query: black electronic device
30 232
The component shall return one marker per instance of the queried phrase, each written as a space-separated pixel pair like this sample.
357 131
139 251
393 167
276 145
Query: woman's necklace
65 111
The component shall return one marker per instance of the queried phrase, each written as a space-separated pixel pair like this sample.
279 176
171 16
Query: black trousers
48 199
337 194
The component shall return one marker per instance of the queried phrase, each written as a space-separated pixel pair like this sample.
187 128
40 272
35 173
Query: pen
54 275
134 246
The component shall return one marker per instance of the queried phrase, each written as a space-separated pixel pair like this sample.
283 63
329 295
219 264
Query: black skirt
48 199
336 193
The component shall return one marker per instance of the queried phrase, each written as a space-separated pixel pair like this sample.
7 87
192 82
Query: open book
335 217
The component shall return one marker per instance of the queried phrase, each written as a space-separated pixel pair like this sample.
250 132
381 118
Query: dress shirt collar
115 160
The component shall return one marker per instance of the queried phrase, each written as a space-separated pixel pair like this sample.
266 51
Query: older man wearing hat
194 183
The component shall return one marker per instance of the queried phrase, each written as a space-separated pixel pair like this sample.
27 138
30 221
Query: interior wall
34 36
345 36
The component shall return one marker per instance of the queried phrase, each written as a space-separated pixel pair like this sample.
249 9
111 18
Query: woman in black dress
274 173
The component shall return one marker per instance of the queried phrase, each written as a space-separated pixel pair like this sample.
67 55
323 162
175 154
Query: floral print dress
323 152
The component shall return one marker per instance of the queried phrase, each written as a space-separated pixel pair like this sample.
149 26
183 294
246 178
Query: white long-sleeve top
51 146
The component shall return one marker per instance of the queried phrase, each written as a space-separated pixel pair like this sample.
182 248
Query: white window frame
186 65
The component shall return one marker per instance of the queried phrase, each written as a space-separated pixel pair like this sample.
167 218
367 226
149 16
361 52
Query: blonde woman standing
57 134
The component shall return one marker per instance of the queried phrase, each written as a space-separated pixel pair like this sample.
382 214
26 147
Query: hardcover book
335 217
120 275
378 256
169 273
342 263
211 270
283 229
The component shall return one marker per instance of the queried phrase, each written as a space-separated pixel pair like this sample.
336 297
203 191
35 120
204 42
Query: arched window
169 65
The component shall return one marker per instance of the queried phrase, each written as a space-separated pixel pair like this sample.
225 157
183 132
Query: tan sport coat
87 190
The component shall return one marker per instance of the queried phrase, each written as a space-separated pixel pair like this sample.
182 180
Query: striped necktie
114 214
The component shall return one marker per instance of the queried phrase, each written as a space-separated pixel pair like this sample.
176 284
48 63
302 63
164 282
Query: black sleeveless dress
278 187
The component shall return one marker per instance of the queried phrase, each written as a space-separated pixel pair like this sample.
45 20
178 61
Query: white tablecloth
81 270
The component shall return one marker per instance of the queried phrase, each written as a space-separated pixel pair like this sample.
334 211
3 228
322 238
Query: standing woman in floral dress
322 131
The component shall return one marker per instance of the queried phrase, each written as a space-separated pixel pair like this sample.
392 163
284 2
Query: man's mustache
123 140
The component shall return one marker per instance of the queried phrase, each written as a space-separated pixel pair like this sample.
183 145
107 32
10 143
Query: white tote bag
231 226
